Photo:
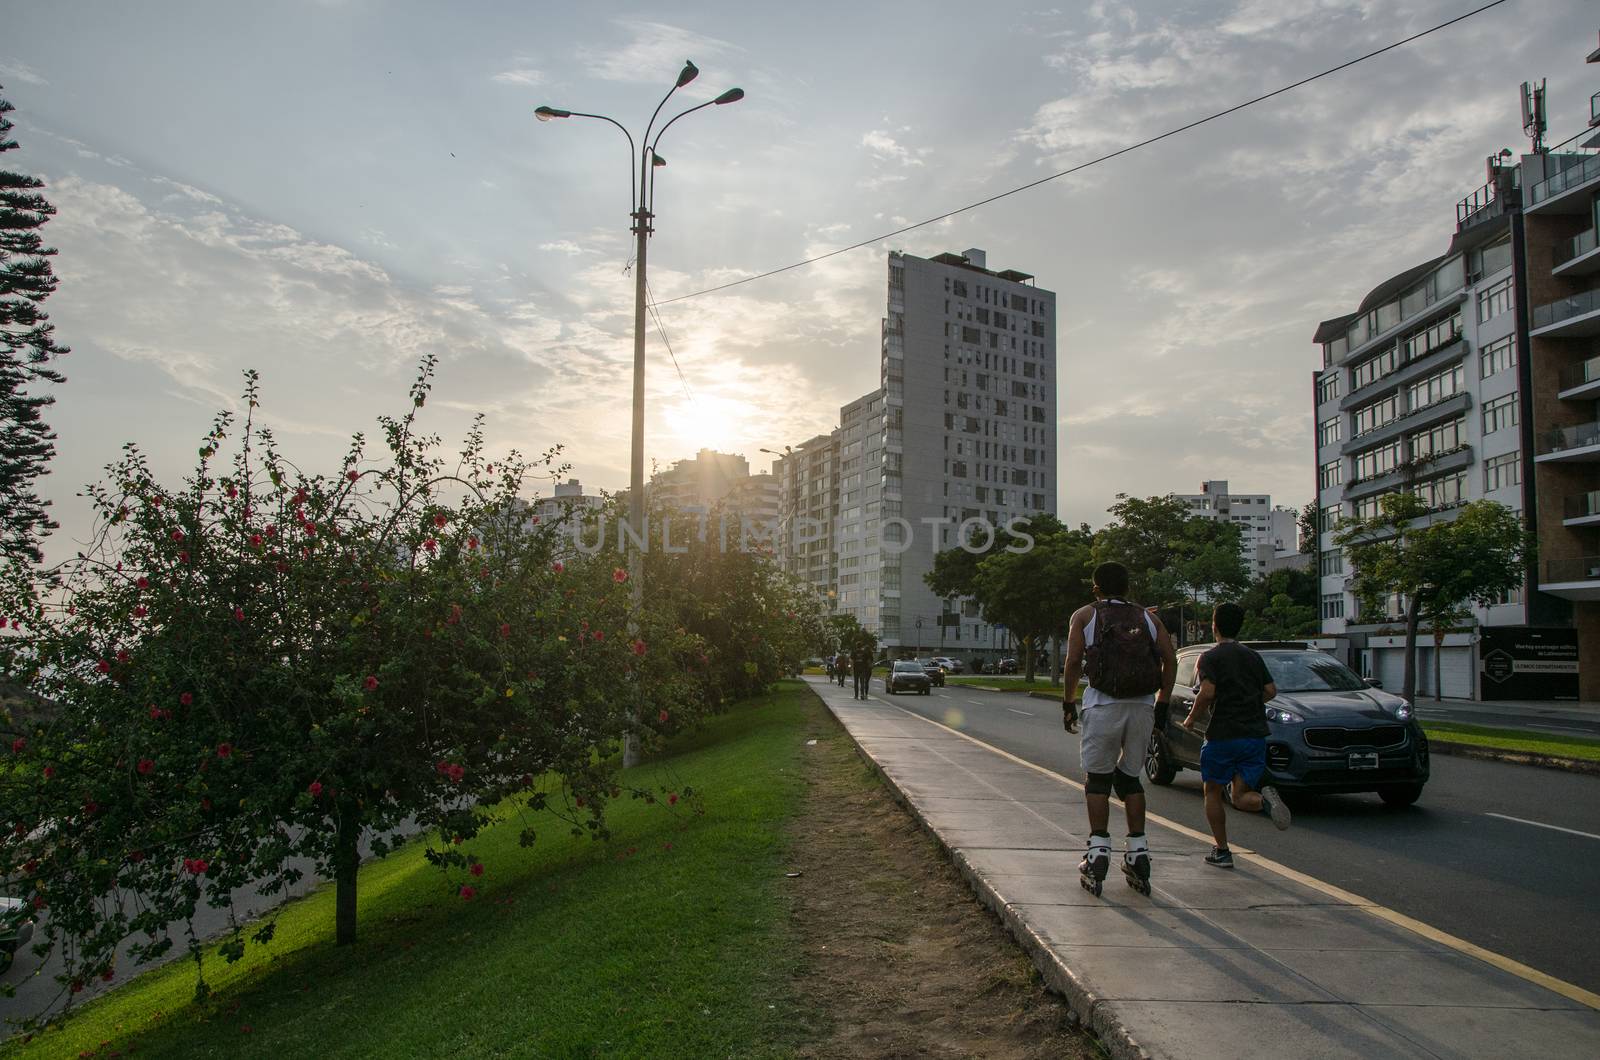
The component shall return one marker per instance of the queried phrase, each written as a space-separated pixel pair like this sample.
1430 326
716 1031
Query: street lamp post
641 202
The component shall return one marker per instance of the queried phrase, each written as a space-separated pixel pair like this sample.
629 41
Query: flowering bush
266 664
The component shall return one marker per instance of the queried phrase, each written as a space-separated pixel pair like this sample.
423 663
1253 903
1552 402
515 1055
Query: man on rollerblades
1131 665
1234 686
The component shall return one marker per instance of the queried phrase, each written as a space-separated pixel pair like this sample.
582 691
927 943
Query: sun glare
707 422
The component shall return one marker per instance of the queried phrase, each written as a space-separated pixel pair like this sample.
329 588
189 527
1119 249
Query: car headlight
1283 717
1402 710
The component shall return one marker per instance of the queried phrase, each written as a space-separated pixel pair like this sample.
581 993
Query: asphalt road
1504 856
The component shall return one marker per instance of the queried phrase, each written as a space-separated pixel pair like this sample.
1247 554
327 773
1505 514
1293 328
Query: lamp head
733 95
547 113
689 72
656 160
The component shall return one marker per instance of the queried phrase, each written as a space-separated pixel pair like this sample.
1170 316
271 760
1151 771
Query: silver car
16 928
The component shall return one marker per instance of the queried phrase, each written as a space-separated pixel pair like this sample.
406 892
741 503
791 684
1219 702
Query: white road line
975 702
1541 824
1024 713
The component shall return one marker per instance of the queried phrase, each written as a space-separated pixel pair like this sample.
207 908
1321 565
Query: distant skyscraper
1265 532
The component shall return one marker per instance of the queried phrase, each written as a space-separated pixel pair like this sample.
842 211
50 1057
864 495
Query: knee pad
1100 783
1124 785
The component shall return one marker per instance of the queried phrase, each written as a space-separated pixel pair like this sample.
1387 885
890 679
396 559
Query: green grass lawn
1005 684
1513 740
572 947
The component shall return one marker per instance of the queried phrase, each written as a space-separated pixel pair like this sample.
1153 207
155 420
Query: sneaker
1221 857
1273 806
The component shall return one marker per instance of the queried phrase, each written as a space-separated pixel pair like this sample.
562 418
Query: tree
1170 554
1437 566
27 351
262 665
1281 606
1307 522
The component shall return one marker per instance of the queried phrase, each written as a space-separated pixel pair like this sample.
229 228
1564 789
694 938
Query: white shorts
1116 735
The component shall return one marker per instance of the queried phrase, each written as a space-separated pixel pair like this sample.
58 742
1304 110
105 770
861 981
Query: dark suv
1330 730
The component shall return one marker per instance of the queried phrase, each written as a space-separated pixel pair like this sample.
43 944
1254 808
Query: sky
328 190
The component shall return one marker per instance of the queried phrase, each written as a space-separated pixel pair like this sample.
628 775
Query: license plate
1364 760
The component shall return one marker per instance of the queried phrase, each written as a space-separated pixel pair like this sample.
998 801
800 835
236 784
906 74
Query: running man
1235 687
1131 666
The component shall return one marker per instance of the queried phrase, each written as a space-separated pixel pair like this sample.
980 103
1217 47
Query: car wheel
1158 764
1400 796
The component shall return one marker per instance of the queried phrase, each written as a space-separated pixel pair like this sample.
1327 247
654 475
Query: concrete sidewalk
1259 962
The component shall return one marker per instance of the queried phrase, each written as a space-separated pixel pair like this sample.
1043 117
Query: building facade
808 511
860 567
699 483
1266 533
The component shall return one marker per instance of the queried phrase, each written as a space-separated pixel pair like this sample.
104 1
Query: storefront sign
1522 662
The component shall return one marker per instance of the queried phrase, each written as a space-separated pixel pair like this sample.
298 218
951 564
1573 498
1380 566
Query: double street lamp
641 202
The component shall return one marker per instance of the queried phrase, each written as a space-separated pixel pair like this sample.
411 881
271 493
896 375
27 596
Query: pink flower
145 766
186 698
558 566
224 750
468 892
371 683
638 647
619 575
315 788
477 870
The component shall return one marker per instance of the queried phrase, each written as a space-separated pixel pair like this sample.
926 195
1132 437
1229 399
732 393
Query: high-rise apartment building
1476 374
808 510
860 567
1265 533
700 483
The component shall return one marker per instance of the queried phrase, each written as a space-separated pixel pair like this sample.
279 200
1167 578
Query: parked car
934 671
951 666
907 675
1330 731
1006 666
16 928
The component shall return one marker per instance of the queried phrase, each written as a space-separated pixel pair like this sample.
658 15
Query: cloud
562 246
14 70
886 149
654 53
520 76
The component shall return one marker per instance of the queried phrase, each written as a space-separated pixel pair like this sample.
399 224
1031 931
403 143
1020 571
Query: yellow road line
1433 934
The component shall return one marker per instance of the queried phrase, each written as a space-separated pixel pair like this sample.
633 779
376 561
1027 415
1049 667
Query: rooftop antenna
1533 114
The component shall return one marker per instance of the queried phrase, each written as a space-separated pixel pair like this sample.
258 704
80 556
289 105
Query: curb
1442 746
1088 1010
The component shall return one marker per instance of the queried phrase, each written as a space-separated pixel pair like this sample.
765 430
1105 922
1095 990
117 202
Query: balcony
1572 317
1594 110
1577 256
1582 510
1564 192
1580 380
1571 579
1580 444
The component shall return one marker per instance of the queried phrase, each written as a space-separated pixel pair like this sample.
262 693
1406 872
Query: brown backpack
1124 661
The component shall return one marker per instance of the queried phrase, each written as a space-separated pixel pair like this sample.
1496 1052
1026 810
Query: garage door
1388 666
1456 670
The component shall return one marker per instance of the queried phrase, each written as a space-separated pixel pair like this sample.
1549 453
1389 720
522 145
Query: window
1494 300
971 336
1435 388
1327 475
1438 439
1327 518
1369 418
1328 432
959 288
1432 338
1375 462
1501 471
1327 388
1373 368
1445 492
1499 413
1332 605
1367 507
1332 563
1498 356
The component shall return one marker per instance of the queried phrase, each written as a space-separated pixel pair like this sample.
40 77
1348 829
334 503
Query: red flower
558 566
534 520
619 575
672 799
107 974
472 544
455 615
299 497
17 745
662 717
352 474
370 684
457 772
140 611
195 866
49 771
143 583
468 892
440 521
103 666
599 634
477 870
145 766
77 986
238 614
224 750
233 491
638 647
186 698
177 535
255 540
431 545
122 655
315 787
183 557
505 630
30 867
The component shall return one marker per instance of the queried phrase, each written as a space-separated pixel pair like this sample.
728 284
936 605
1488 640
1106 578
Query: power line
1092 162
661 329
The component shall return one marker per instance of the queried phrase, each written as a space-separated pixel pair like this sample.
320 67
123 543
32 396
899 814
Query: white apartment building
568 497
1265 533
808 510
860 568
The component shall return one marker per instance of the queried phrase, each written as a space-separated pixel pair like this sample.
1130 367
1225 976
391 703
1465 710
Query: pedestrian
1235 686
861 666
841 667
1131 665
827 666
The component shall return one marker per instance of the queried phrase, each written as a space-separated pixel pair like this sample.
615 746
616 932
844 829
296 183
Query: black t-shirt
1239 675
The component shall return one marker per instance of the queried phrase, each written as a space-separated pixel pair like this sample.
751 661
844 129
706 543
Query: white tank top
1092 697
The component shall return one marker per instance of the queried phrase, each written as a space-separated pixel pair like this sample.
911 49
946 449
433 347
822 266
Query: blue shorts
1246 756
